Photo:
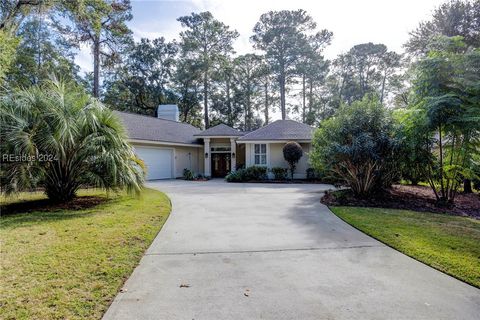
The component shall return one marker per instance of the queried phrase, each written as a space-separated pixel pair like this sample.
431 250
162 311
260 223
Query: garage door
158 161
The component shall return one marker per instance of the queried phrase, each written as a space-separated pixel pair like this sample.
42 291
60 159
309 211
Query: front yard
69 263
448 243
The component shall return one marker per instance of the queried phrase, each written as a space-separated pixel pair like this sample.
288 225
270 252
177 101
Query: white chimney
168 112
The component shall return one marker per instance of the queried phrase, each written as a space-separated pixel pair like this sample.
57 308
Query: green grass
69 264
448 243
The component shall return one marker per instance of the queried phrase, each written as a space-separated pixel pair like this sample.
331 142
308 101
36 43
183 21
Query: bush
357 146
188 174
254 173
311 174
279 173
236 176
292 152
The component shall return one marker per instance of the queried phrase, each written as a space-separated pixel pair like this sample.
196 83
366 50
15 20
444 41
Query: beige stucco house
168 146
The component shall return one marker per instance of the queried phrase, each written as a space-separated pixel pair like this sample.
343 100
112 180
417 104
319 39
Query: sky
351 21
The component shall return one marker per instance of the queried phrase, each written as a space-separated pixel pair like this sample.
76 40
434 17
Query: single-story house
168 146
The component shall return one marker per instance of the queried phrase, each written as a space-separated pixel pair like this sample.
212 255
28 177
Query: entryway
221 164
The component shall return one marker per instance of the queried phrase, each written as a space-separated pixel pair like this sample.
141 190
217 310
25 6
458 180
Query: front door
220 164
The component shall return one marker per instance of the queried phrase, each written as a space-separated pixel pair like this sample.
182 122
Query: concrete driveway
268 251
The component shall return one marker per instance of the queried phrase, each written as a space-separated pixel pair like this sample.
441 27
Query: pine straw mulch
45 205
416 198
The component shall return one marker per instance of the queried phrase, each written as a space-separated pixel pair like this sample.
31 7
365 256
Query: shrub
188 174
236 176
254 173
279 173
292 152
68 139
357 146
311 174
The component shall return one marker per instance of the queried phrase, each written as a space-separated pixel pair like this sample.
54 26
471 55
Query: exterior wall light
206 154
233 154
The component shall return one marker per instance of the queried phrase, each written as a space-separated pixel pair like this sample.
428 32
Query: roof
281 130
221 130
154 129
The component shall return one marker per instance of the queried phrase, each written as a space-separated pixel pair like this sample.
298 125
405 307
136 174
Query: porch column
207 156
233 155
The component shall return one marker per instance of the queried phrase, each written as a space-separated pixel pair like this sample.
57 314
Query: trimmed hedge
279 173
254 173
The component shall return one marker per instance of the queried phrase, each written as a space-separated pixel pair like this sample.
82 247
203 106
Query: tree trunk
281 82
229 104
39 48
304 96
205 98
467 186
310 101
59 185
442 186
266 102
249 111
382 94
96 66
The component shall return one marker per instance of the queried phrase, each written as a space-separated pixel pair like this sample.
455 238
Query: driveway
269 251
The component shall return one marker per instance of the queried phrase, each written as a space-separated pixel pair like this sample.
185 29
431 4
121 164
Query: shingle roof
221 130
281 130
153 129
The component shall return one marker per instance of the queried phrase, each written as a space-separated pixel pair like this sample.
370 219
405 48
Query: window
220 149
260 154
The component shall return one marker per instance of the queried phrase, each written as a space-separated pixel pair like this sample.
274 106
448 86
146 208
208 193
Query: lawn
448 243
69 264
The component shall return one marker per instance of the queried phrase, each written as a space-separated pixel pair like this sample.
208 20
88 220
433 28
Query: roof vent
168 112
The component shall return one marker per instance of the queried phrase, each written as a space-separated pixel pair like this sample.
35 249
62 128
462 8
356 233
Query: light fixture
233 154
206 154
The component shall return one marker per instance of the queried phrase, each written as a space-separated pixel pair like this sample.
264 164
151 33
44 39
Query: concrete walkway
269 251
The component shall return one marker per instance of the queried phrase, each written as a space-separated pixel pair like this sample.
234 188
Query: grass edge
388 245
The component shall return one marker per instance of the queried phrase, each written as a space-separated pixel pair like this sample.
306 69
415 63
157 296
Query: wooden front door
220 164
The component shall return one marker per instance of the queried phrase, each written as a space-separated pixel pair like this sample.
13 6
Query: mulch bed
416 198
45 205
271 181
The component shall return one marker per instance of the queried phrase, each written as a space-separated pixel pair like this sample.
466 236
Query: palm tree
57 137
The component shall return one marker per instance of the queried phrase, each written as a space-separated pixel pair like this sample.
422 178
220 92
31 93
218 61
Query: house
168 146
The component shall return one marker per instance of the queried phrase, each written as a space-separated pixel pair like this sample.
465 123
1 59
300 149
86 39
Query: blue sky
352 22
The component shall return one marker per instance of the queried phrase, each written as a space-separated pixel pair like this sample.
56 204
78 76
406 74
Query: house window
221 149
260 154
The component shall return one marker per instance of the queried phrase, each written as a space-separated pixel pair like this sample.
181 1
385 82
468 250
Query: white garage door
158 161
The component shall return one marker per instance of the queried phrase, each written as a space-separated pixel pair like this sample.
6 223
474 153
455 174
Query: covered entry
221 161
220 150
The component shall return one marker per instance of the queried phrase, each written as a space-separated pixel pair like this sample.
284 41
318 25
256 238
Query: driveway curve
273 251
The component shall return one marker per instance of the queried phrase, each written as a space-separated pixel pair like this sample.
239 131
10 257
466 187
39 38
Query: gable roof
281 130
221 130
142 127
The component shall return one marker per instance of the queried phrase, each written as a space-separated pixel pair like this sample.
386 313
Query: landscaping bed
36 202
295 181
69 261
448 243
416 198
